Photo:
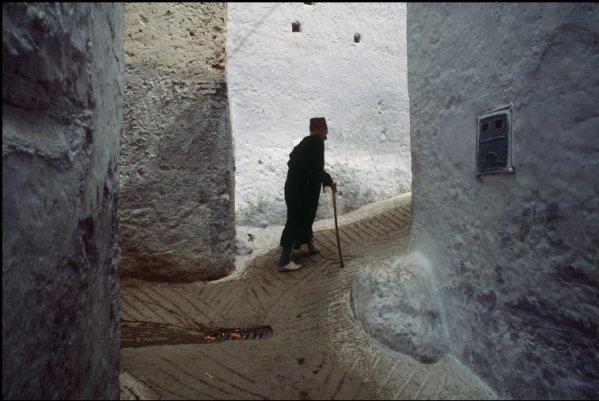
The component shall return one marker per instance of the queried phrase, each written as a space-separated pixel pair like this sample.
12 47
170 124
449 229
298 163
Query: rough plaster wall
515 256
278 80
61 117
396 301
177 175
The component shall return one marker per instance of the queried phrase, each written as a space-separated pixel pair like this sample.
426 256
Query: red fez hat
317 122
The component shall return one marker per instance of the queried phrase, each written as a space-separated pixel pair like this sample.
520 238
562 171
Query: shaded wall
279 79
61 118
515 256
177 200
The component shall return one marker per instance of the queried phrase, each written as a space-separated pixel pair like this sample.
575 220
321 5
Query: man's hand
333 187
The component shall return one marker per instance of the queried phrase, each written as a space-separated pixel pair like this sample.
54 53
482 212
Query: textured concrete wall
279 79
61 118
515 256
177 168
397 304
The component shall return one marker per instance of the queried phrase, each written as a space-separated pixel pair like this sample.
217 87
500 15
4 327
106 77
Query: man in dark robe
302 191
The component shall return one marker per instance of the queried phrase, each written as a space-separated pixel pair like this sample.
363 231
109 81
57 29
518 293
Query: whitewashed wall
278 80
515 257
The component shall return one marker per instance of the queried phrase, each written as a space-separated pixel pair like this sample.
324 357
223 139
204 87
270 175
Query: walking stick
337 227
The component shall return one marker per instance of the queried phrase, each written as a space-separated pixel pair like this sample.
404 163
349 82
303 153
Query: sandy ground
316 348
267 238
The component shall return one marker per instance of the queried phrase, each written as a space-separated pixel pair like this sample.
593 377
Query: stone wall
279 79
61 118
515 256
177 168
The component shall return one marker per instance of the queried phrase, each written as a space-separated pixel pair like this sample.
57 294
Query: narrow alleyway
316 350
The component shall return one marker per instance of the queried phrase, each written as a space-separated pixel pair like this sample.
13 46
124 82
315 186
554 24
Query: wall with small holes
288 62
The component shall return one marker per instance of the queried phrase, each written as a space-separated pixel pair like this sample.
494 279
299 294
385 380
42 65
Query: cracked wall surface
177 167
514 255
61 119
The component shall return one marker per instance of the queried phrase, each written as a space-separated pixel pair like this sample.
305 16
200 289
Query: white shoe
312 247
289 267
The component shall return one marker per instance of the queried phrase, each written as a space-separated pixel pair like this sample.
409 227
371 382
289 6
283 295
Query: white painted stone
243 243
516 256
397 303
278 80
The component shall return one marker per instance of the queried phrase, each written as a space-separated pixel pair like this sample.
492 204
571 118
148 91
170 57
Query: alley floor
282 335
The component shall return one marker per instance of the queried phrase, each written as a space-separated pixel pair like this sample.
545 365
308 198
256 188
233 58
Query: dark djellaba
305 176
